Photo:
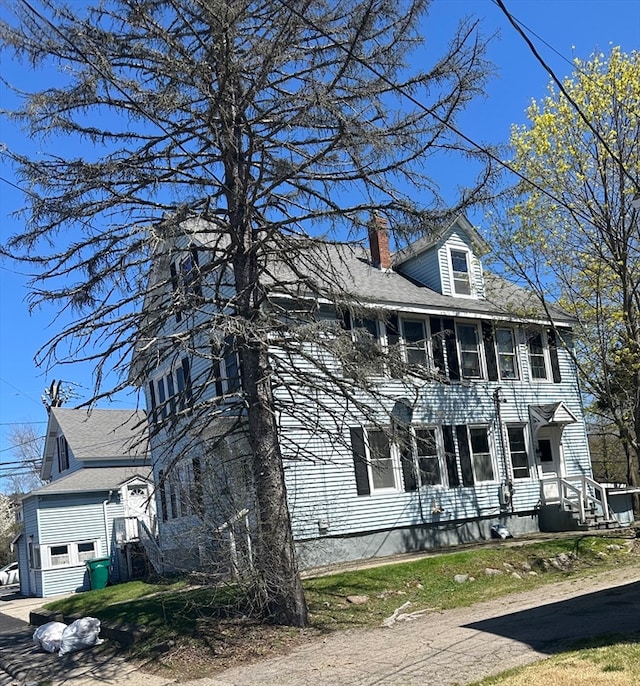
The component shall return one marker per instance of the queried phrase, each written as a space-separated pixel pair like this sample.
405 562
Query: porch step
593 520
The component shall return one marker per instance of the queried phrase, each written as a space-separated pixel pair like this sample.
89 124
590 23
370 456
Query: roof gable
436 239
107 435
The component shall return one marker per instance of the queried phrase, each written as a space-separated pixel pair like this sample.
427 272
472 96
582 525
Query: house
480 424
97 501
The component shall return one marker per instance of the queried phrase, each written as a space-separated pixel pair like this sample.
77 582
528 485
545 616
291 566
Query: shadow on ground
554 627
25 663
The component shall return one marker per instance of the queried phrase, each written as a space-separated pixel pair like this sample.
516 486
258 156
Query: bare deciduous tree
268 129
23 474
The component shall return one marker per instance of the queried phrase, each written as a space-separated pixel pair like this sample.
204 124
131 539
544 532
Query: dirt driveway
457 646
439 648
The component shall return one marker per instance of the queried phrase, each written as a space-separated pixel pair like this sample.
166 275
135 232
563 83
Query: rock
461 578
532 573
358 599
509 567
556 564
525 566
515 575
490 571
563 559
614 546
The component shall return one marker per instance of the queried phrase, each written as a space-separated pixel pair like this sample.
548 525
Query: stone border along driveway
439 648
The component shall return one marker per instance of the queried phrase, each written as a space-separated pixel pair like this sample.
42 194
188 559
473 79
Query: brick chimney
379 242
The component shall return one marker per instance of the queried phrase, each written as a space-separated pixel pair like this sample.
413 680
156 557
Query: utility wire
362 62
564 92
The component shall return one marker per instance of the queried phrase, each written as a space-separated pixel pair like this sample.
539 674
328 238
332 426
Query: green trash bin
98 569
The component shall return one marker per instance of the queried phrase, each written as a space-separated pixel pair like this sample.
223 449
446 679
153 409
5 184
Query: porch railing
151 547
580 494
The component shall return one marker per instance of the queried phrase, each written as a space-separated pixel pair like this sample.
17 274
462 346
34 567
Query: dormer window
460 272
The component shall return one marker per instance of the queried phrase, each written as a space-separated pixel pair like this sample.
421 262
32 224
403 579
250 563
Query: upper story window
171 393
63 454
469 346
544 363
227 369
507 357
537 356
185 279
461 273
415 340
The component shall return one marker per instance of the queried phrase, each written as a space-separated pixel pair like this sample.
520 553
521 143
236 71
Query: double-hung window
186 280
518 452
410 460
427 454
537 356
415 339
227 369
507 358
171 393
469 345
63 454
481 453
476 461
383 470
461 272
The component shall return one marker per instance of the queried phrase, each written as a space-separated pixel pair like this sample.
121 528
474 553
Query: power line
345 49
564 91
21 423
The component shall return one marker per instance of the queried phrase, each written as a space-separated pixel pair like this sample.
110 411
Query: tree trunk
279 587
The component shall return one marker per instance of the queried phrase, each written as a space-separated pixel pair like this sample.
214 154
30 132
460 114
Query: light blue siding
324 490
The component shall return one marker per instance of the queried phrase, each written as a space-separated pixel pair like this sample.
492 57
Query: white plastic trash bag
49 636
83 633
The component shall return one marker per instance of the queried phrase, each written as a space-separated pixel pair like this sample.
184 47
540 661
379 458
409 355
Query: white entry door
548 453
138 502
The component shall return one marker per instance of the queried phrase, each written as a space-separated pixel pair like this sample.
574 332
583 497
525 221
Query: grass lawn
208 628
614 661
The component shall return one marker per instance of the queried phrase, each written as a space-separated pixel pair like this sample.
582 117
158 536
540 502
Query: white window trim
518 366
479 348
547 359
396 468
174 403
396 465
429 363
470 272
74 555
528 446
442 466
492 453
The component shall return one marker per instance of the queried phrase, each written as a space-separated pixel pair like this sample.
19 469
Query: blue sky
568 27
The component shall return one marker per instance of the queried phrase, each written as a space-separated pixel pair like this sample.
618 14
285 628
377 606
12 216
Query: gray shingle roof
93 480
347 270
104 434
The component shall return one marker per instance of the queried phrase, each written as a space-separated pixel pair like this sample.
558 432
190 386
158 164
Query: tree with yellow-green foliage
572 232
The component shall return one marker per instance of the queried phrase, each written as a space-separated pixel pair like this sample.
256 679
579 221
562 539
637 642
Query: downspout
106 524
505 493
